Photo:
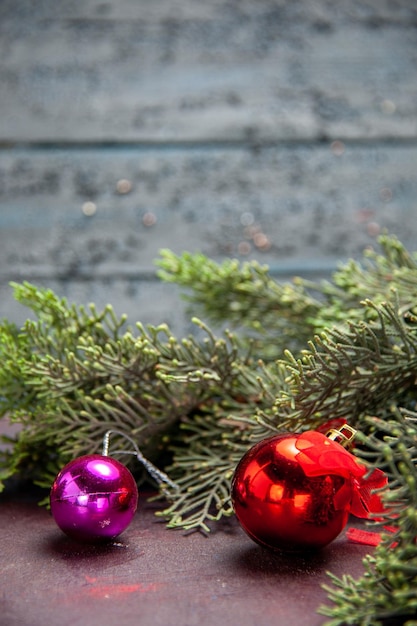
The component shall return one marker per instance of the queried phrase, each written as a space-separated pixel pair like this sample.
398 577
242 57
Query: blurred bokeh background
283 131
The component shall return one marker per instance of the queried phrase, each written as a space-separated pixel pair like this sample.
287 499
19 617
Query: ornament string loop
158 475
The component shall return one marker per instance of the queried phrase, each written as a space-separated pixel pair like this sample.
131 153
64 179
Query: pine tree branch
346 373
247 297
387 589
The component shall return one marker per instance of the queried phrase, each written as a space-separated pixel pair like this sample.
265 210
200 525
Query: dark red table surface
155 576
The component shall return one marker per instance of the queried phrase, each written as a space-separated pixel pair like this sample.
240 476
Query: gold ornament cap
343 435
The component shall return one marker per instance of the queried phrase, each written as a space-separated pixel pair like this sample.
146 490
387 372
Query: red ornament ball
94 498
295 491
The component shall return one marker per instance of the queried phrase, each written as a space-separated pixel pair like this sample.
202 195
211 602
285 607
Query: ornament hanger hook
159 476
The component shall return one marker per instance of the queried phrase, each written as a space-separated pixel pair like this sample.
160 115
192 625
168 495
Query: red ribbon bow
319 455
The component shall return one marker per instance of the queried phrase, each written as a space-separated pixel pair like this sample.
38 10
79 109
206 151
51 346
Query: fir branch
213 438
387 589
92 376
346 373
205 457
247 297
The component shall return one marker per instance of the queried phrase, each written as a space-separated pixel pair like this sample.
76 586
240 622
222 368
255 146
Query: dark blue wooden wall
284 131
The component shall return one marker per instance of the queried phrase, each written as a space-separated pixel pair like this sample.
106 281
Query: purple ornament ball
94 498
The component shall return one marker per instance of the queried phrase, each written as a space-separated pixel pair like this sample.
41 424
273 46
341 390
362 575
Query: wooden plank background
281 131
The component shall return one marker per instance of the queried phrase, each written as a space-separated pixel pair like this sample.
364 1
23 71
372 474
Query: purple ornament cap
94 498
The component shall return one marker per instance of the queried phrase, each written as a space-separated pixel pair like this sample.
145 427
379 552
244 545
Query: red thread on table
109 591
